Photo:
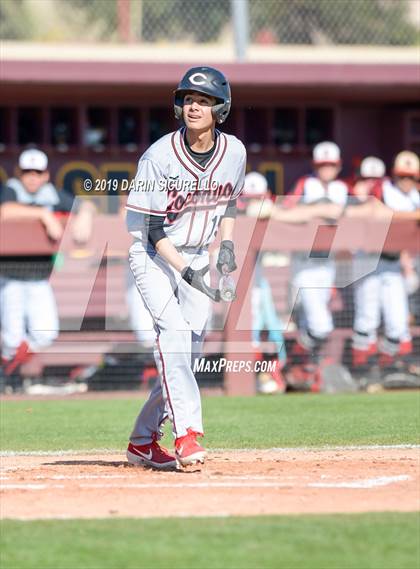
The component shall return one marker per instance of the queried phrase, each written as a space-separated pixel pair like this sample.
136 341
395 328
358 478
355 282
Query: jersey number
215 225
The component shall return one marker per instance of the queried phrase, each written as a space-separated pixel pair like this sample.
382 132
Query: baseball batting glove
195 278
226 257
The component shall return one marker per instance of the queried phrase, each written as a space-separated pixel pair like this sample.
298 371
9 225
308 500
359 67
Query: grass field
259 422
384 540
368 541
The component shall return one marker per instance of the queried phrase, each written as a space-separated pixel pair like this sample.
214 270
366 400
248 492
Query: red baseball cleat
22 356
152 455
187 449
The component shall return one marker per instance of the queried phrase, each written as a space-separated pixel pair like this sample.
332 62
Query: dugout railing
89 284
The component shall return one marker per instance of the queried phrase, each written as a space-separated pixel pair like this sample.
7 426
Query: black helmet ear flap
178 112
221 111
178 104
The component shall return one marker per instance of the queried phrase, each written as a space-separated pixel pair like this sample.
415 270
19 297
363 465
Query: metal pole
123 18
137 19
240 20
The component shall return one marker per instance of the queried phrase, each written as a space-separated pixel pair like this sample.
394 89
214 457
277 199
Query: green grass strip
254 422
380 540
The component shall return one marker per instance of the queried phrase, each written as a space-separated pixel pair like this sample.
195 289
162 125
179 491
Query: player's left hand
226 257
195 278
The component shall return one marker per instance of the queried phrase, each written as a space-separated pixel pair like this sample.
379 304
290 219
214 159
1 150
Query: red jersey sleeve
377 190
295 196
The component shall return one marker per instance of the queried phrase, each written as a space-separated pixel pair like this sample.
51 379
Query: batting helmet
208 81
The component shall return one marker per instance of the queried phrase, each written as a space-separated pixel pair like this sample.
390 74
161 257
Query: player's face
197 111
405 183
363 188
34 179
328 172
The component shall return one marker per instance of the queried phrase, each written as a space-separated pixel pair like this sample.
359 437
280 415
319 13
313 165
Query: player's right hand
195 278
52 225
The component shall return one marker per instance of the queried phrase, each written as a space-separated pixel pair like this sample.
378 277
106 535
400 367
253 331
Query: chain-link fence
264 22
346 22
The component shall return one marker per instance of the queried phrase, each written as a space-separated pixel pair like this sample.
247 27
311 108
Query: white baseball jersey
310 189
192 198
395 198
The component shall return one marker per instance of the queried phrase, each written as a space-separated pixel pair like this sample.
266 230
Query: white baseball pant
180 313
383 292
140 319
28 312
313 281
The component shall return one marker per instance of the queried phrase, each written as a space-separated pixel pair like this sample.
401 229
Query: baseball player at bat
185 191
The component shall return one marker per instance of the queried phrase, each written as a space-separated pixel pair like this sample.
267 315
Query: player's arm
302 213
374 208
227 226
10 210
379 211
165 248
148 198
226 259
83 209
194 278
407 215
296 214
163 245
83 222
151 199
294 210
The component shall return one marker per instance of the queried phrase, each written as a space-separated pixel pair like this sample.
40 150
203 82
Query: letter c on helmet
198 79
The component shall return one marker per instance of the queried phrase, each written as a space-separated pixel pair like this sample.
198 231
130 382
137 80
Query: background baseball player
255 201
384 291
321 194
371 171
28 312
186 188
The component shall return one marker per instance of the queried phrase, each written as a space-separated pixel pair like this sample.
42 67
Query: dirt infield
230 483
